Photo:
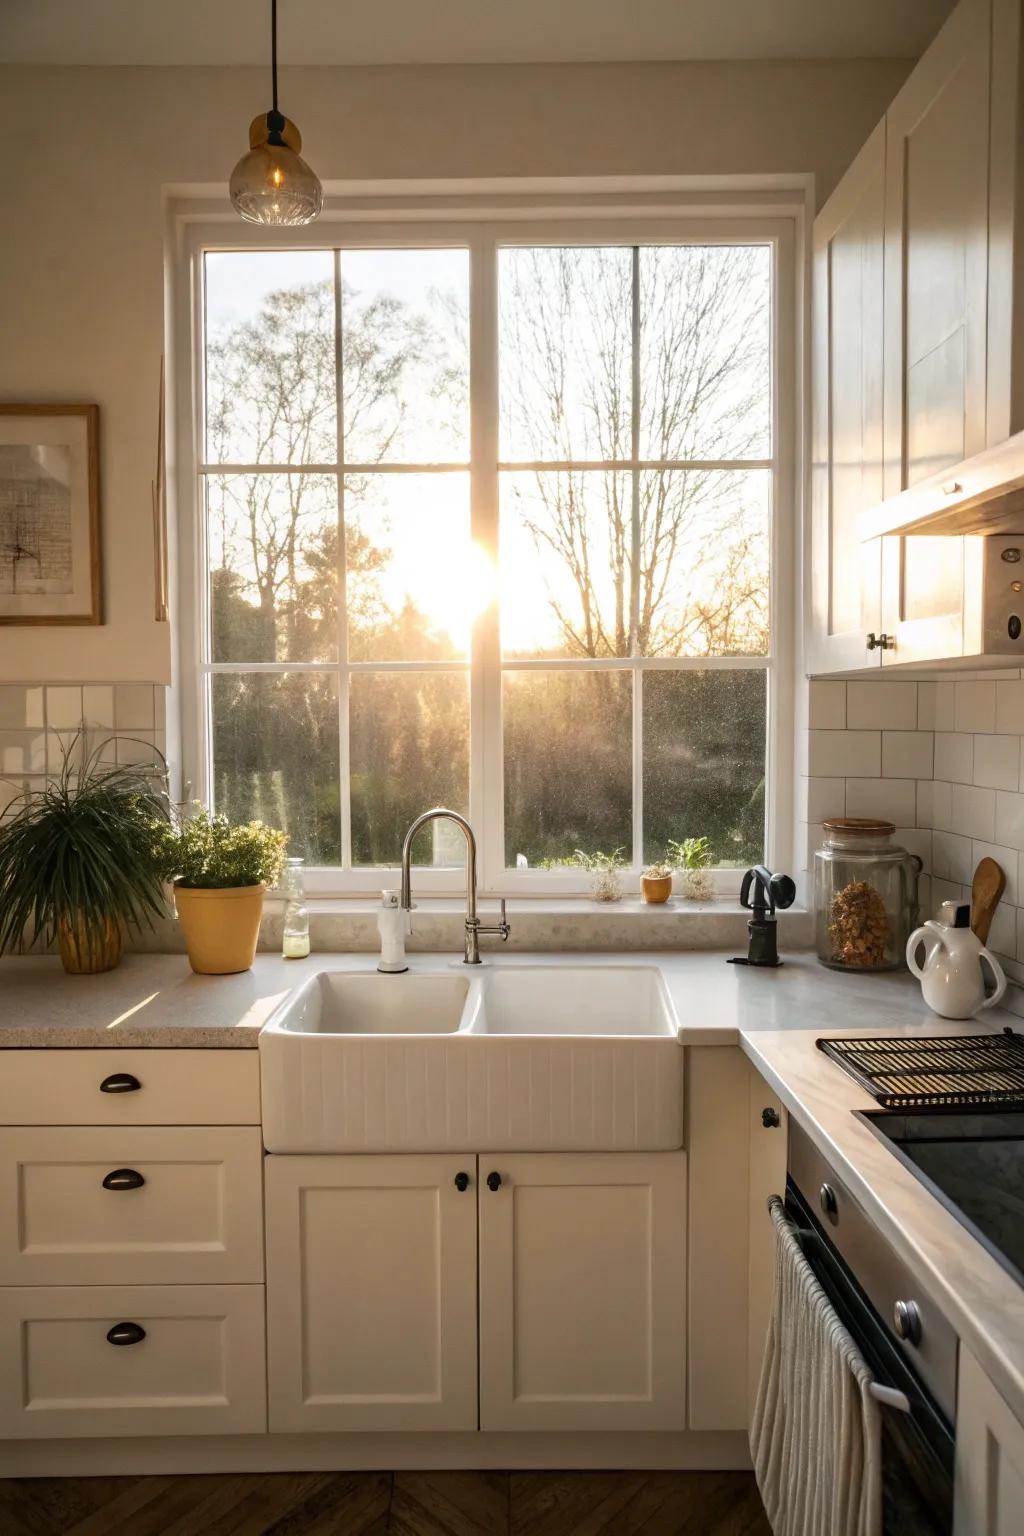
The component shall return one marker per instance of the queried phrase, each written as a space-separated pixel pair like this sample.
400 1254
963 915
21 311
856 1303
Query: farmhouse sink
576 1001
369 1003
529 1058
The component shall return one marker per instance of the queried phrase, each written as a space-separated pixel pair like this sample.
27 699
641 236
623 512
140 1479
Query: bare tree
658 561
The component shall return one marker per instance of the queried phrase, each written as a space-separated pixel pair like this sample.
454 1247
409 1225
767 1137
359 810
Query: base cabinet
989 1496
373 1267
371 1292
583 1291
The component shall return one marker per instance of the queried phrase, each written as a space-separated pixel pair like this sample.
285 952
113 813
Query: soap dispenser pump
393 923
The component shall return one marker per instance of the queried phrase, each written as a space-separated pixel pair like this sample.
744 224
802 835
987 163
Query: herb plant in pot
76 859
693 856
220 874
656 883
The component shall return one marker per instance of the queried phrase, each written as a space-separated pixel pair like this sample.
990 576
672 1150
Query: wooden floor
386 1504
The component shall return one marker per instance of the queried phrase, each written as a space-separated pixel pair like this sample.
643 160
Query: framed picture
50 559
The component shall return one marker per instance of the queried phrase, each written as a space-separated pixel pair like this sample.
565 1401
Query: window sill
550 925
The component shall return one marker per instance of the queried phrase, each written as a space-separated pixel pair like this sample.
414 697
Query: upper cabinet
846 474
918 375
936 254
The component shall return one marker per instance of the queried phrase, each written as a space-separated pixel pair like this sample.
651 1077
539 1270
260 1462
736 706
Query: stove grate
936 1071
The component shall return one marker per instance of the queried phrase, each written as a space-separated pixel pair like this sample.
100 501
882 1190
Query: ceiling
461 31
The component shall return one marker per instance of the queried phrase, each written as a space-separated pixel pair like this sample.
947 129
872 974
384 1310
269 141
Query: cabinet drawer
195 1217
197 1368
147 1087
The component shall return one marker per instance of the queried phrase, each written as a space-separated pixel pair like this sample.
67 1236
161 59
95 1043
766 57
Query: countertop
156 1000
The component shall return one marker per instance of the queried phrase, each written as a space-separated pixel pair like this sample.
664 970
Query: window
486 521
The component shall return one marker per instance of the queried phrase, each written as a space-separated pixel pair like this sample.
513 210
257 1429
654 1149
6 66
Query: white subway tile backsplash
98 705
914 840
952 856
925 803
954 757
834 753
22 752
133 706
1009 820
942 806
824 798
1010 708
974 812
975 706
63 708
997 761
907 754
1002 937
894 800
827 706
881 706
21 707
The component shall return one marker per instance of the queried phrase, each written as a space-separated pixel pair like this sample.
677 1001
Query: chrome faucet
474 928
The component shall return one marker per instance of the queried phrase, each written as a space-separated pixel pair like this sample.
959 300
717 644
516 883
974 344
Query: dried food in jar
859 926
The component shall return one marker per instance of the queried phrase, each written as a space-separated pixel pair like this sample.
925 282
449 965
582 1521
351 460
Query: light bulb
272 184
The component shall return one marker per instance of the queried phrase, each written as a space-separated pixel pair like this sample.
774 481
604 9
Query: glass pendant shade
272 184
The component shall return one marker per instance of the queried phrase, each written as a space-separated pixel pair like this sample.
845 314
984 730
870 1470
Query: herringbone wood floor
386 1504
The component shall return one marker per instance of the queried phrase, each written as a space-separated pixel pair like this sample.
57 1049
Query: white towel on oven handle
815 1438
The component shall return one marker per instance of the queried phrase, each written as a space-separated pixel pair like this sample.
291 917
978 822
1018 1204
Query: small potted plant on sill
603 868
693 856
220 874
656 883
76 859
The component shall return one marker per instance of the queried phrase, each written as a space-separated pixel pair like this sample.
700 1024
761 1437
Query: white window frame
657 214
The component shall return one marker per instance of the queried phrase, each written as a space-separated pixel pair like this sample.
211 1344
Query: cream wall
81 274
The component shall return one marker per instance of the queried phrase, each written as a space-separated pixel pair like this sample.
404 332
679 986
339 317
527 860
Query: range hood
984 494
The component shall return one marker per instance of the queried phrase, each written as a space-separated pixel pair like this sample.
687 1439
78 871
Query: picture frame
51 569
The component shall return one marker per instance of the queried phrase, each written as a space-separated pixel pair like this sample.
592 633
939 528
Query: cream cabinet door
846 475
582 1291
936 253
371 1292
924 593
989 1493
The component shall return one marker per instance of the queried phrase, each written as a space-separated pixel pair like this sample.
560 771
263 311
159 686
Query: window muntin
602 428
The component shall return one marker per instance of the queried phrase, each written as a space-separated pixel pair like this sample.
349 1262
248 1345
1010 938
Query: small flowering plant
206 852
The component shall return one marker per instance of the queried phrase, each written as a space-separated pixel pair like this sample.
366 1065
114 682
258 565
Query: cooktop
974 1163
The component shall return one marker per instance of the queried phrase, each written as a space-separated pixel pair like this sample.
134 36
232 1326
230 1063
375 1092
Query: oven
909 1345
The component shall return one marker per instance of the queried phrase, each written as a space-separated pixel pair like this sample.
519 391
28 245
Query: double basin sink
504 1058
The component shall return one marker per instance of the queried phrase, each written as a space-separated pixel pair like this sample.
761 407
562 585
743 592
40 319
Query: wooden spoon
987 886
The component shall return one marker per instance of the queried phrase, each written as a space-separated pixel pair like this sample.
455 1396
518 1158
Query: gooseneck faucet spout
473 925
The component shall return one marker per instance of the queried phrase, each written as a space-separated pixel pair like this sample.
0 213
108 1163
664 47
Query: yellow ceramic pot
87 948
221 927
656 889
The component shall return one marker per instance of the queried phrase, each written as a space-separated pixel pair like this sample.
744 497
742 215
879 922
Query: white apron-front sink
529 1058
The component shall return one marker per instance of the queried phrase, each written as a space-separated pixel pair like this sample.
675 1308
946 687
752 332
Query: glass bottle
295 941
865 896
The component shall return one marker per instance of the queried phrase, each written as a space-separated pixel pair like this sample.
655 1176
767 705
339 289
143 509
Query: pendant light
272 184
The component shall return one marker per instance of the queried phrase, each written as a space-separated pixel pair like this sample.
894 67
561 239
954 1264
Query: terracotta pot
656 888
88 948
220 926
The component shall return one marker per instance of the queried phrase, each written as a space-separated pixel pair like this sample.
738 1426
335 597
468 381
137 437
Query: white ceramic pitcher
953 974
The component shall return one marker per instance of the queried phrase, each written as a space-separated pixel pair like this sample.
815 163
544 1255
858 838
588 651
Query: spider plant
77 858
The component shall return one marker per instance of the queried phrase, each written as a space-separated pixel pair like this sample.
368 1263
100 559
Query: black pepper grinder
769 891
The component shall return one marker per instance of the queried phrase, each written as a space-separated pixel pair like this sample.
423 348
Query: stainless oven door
917 1447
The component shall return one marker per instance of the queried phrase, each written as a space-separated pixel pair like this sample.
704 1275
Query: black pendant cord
273 49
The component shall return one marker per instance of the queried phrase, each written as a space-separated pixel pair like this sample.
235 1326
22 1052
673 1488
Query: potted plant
656 883
220 874
76 860
693 856
605 883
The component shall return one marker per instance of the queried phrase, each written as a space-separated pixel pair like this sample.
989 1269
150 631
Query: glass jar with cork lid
865 896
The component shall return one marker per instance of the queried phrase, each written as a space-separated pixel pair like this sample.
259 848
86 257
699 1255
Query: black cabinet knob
828 1202
462 1182
123 1178
120 1082
493 1181
770 1119
126 1333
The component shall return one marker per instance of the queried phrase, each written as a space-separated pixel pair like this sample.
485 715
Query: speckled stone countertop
156 1000
983 1302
